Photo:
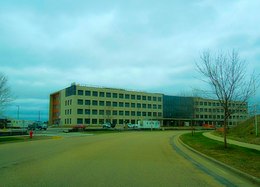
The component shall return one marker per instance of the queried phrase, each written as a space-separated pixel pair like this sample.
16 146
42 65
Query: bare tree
5 93
226 74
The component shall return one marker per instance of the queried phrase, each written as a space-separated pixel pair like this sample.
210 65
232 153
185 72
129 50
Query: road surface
113 159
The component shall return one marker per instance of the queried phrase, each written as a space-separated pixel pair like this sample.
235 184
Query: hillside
246 131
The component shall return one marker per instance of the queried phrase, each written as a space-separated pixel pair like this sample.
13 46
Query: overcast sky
45 45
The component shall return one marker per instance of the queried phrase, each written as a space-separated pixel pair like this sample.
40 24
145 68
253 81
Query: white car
129 125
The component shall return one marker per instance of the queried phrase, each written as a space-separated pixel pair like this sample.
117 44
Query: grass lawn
246 160
12 139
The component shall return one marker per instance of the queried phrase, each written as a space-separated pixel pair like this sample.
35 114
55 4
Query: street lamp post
256 128
18 111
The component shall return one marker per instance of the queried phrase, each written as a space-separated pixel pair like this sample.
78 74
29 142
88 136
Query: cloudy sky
147 45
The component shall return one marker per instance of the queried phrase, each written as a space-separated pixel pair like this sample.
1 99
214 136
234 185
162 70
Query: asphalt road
113 159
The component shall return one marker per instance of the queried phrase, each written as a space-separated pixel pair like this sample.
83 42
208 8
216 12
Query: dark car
108 125
37 125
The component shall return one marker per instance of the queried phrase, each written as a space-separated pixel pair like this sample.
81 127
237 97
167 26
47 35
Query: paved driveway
114 159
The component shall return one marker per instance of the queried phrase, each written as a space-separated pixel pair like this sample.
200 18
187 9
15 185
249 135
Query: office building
79 104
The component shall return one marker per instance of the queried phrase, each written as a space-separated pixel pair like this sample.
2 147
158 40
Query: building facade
96 105
180 111
86 105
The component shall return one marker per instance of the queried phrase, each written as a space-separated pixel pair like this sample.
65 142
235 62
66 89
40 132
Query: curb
251 178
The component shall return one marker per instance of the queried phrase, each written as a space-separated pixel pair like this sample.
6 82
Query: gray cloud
141 45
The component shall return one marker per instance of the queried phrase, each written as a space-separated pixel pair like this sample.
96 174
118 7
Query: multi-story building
211 112
79 104
178 111
96 105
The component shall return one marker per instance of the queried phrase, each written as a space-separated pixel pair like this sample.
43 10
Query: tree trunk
225 133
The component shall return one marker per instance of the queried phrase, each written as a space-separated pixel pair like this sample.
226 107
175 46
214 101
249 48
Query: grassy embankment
246 160
244 132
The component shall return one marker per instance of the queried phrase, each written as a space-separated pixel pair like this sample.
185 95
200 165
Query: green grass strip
244 159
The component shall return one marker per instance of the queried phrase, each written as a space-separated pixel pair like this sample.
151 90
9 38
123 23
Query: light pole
18 111
39 115
256 128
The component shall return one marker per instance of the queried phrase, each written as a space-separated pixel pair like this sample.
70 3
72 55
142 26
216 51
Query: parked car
79 127
37 125
129 125
108 125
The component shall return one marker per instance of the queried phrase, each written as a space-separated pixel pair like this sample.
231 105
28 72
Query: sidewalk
241 144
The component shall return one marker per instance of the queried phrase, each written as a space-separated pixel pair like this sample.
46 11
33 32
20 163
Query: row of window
118 104
206 103
117 112
95 121
119 95
219 110
68 102
219 117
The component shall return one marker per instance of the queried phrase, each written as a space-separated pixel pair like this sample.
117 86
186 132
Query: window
108 112
149 113
94 112
87 111
94 102
149 98
114 121
108 94
133 105
114 95
108 103
115 112
143 105
132 113
159 106
144 97
154 114
101 103
159 99
121 96
127 104
127 113
101 94
154 106
121 113
121 104
101 121
138 105
127 96
87 121
79 121
80 101
138 113
94 121
80 92
138 97
144 113
101 112
154 98
149 106
87 93
132 96
95 93
87 102
80 111
115 104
